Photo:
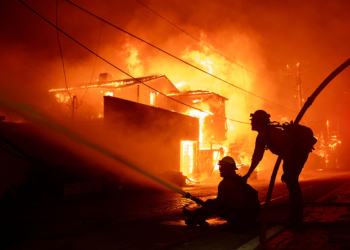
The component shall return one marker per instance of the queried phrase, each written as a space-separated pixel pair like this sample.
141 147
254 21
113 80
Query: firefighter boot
193 223
296 218
193 219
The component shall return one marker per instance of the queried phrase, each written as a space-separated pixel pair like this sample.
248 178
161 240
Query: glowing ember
197 100
153 99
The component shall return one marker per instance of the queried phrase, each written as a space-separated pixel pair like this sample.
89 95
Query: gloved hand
245 177
285 177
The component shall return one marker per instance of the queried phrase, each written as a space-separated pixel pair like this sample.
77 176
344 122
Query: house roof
114 83
196 93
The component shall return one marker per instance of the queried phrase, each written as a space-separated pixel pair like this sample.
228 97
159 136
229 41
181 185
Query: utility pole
297 73
74 105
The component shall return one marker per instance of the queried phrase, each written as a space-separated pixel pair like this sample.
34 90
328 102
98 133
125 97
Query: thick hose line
263 227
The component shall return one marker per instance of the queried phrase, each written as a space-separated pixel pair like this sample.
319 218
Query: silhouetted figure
294 152
237 202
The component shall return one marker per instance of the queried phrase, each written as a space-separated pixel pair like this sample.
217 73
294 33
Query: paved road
134 220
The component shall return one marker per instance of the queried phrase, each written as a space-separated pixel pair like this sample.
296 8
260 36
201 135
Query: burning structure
153 109
253 51
199 158
128 89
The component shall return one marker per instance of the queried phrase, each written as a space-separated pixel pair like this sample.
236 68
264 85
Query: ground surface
139 219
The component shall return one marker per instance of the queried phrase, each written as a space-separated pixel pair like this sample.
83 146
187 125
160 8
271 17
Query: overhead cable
28 65
14 154
123 70
77 6
93 70
59 45
209 47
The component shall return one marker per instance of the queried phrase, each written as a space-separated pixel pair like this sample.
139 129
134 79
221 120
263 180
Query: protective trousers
296 163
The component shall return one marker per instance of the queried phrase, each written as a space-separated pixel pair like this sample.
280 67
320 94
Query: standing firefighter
293 150
237 202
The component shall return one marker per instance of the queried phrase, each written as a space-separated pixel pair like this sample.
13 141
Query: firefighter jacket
273 138
230 192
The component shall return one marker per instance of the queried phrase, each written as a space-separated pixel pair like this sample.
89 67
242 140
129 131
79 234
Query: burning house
88 98
158 119
200 157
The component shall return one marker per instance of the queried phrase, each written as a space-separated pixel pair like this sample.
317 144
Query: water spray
29 113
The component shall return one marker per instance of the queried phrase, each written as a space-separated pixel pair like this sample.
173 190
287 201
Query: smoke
261 38
264 38
89 149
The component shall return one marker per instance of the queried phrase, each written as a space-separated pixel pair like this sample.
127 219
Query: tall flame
201 115
132 59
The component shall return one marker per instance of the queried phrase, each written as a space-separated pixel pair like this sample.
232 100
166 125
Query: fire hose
263 227
195 199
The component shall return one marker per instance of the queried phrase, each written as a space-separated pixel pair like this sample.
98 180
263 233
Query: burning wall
212 129
152 135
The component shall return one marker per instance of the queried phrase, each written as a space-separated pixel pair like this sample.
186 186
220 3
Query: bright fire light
201 115
186 160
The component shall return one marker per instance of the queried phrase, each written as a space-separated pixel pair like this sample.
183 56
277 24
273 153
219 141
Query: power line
123 70
59 45
77 6
28 65
14 154
209 47
246 103
93 70
20 60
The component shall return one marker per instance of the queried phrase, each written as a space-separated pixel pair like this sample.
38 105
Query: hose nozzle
195 199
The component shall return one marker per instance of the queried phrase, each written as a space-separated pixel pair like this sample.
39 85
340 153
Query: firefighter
294 156
231 201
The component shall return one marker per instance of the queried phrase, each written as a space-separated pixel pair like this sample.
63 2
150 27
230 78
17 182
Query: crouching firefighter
237 202
293 150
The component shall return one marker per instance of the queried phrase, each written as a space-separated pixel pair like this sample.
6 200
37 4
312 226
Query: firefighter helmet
260 117
228 161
